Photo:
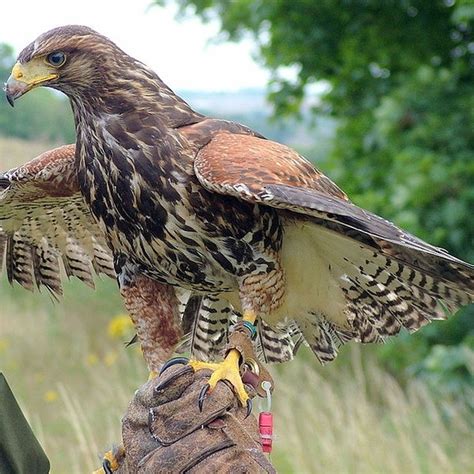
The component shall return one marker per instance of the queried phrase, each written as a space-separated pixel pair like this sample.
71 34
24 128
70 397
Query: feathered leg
153 307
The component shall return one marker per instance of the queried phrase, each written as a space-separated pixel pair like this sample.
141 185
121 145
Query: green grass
73 381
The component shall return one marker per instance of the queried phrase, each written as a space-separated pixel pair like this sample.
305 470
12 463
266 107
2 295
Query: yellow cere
33 73
17 73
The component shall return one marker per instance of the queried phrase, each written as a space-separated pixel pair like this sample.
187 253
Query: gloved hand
163 429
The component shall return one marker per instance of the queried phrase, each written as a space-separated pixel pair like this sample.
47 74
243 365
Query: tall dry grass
74 380
14 151
358 419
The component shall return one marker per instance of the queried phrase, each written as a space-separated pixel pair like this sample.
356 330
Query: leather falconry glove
164 430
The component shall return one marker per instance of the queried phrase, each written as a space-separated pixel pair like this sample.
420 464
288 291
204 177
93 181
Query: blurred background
380 95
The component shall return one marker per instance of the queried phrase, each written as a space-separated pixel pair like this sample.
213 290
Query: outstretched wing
389 278
44 221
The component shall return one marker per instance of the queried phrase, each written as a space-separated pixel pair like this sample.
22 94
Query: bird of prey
190 203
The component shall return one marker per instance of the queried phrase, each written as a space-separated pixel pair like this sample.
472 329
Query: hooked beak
14 89
23 79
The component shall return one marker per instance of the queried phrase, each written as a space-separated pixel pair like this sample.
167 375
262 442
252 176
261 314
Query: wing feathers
439 268
44 223
389 278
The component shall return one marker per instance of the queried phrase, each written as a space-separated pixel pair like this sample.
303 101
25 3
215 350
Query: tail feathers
383 294
208 334
278 344
210 330
323 336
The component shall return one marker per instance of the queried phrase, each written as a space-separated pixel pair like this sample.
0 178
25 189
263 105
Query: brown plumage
44 221
210 208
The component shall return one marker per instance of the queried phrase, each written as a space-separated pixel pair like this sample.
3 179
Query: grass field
73 377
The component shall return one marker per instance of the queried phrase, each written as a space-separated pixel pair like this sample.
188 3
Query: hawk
189 203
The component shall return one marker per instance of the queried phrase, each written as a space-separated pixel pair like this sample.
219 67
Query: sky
183 52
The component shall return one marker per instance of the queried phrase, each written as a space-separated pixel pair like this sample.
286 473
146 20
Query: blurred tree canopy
43 115
400 76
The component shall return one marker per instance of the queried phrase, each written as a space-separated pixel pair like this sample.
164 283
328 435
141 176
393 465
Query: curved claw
249 408
106 467
173 361
202 395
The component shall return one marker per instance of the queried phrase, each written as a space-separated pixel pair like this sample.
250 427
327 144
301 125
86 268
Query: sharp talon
249 408
106 467
170 380
202 395
173 361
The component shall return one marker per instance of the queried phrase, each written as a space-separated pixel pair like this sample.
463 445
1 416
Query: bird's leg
153 308
230 368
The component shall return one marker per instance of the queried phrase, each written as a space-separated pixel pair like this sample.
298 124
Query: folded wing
389 278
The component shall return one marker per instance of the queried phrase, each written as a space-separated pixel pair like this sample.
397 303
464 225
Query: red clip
265 425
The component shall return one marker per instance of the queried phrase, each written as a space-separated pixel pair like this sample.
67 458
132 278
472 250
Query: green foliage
360 46
400 77
43 115
450 369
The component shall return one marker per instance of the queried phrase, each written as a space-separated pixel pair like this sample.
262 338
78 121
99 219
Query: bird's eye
56 59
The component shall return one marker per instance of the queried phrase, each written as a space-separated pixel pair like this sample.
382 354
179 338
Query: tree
400 76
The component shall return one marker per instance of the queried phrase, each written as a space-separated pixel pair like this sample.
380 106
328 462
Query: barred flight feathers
206 323
44 222
390 279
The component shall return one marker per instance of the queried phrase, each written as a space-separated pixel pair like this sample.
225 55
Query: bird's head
96 75
71 59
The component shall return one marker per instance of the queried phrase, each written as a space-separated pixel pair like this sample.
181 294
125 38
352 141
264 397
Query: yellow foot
229 370
111 461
